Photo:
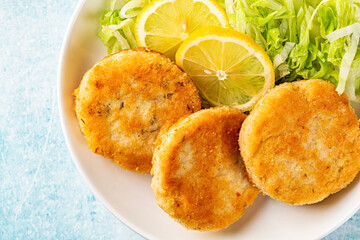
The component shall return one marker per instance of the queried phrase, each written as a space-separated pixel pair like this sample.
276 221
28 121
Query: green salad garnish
117 24
304 39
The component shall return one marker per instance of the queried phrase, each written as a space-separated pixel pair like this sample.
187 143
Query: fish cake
300 143
123 101
198 175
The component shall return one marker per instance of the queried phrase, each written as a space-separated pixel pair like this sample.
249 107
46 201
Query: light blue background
42 195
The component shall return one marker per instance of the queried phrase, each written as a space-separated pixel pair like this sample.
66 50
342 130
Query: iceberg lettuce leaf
117 24
323 37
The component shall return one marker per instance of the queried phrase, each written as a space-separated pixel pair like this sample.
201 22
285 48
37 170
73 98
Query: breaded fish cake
123 101
199 178
300 143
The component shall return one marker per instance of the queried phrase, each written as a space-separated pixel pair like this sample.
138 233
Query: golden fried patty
123 101
199 178
301 142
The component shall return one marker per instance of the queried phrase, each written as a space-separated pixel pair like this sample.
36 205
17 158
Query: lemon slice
227 67
164 24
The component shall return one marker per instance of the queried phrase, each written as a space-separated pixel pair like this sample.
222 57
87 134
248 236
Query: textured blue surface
42 195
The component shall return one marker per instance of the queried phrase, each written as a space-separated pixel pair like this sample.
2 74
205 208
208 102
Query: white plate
128 195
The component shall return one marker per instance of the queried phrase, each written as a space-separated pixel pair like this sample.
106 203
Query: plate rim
61 112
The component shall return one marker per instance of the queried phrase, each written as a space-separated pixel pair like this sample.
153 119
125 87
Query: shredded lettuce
305 38
117 24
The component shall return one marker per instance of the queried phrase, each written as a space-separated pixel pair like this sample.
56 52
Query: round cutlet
301 142
123 101
199 178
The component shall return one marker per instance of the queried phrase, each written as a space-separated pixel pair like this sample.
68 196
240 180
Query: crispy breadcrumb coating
123 101
199 178
301 142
